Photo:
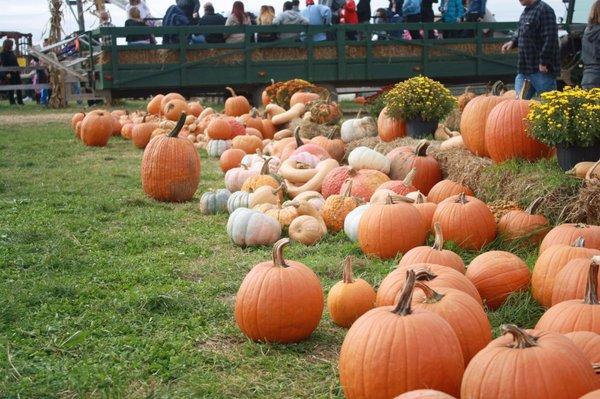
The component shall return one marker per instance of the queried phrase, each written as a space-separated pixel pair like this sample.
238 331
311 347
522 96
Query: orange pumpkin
426 209
390 128
364 182
576 314
473 120
262 179
126 130
569 232
195 108
588 342
97 128
168 97
253 120
571 281
219 129
76 118
141 133
269 129
467 221
524 225
496 275
382 232
335 179
424 394
279 301
335 147
350 298
436 276
174 108
78 130
428 169
506 134
526 364
336 207
171 167
153 106
551 262
401 187
417 347
446 189
231 158
236 105
435 254
248 143
464 314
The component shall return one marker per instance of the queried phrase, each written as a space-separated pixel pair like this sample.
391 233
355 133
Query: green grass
106 293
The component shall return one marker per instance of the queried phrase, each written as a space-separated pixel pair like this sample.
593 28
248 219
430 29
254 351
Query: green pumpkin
239 199
212 202
215 148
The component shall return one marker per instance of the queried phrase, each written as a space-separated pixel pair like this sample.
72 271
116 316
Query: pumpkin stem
438 243
591 170
265 167
596 367
347 273
424 275
524 89
408 180
178 126
230 90
351 171
579 242
462 198
358 113
143 119
497 88
533 207
254 112
591 289
278 260
421 149
420 198
299 142
348 191
521 340
403 307
430 295
401 198
279 188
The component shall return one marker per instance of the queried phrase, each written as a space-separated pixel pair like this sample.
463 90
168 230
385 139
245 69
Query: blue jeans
540 83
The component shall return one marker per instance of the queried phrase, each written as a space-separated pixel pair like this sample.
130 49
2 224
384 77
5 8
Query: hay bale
452 121
310 130
220 56
586 208
396 50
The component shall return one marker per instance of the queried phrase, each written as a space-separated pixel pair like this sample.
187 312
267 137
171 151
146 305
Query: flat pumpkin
306 230
247 227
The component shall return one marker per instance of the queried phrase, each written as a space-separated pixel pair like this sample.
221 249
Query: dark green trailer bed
122 70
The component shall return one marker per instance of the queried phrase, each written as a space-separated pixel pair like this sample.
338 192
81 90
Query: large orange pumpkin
575 314
524 225
236 105
386 230
506 134
392 350
96 128
526 364
171 167
569 232
571 281
219 129
280 300
428 169
350 298
436 276
434 254
467 221
390 128
588 342
364 182
464 314
473 120
496 275
446 189
551 262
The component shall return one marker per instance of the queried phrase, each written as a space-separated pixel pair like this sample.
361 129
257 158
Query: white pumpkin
215 148
247 227
306 158
314 198
352 221
453 142
212 202
236 177
358 128
366 158
256 161
239 199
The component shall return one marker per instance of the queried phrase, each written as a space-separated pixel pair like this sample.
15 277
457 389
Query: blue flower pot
569 156
420 129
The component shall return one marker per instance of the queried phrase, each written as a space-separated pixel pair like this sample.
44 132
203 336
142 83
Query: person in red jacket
349 16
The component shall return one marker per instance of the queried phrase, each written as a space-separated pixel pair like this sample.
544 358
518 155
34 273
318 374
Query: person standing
8 58
317 14
537 41
590 50
452 12
427 15
411 12
363 9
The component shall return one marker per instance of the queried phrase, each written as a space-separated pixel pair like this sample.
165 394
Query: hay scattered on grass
586 207
310 130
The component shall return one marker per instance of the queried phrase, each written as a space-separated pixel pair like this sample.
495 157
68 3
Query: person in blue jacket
179 14
411 13
452 12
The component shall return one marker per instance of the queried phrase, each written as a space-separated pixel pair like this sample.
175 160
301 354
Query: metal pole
80 19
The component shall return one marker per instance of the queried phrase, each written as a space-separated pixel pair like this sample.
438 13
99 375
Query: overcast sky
31 16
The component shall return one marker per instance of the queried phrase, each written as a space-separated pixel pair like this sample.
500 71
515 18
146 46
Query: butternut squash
286 117
315 183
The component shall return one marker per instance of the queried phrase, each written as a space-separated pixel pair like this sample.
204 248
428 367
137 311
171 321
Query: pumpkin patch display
387 230
464 314
350 298
467 221
247 227
171 167
552 366
96 128
524 225
428 171
496 275
280 300
337 207
391 350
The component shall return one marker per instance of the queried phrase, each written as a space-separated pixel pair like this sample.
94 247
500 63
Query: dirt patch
19 119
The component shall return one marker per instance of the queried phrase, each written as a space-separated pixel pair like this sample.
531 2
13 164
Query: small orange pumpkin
390 128
174 108
336 207
219 129
524 225
153 106
446 189
231 158
97 128
247 143
236 105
